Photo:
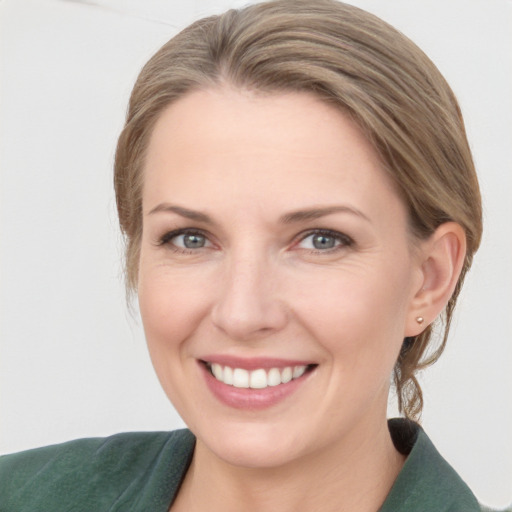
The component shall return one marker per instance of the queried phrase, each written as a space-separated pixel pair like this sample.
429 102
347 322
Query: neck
354 475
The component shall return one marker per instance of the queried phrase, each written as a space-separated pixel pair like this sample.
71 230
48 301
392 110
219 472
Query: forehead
287 147
228 116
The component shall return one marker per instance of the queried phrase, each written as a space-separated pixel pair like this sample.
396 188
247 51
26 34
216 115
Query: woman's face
274 248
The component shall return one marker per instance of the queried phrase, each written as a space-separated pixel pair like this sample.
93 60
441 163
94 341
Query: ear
441 257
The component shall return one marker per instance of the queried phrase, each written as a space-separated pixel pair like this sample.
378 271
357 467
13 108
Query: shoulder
96 473
427 481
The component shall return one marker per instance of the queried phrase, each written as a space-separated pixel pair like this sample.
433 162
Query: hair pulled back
353 61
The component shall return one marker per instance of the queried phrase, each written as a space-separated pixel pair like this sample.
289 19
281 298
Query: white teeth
228 376
274 377
240 378
286 375
256 379
298 371
217 371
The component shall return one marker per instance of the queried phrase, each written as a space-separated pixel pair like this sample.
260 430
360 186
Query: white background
73 359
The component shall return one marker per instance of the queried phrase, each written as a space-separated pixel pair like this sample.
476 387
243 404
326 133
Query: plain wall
73 358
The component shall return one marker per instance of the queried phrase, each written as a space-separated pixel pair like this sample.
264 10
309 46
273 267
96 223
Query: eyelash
166 239
343 241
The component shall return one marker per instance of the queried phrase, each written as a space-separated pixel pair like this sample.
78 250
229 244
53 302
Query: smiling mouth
256 379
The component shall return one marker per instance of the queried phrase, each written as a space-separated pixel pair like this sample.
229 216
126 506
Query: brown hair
352 60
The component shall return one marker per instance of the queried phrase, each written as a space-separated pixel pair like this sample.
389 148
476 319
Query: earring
420 319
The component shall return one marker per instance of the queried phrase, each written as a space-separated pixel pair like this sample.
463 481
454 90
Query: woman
300 205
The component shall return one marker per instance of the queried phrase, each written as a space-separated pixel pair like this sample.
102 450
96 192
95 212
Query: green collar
426 483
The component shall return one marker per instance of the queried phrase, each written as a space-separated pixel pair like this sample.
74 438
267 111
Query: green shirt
143 471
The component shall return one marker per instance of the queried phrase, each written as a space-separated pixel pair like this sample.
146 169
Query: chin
252 445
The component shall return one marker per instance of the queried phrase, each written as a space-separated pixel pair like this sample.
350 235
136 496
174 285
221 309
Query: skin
259 287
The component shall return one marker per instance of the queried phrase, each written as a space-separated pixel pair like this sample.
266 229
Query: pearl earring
420 319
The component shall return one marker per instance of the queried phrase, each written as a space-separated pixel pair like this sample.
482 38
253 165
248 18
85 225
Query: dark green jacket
143 471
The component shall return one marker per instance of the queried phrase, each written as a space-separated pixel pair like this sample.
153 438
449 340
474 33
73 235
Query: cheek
359 319
171 310
171 306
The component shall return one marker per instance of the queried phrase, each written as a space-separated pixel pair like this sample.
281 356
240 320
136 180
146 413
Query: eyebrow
288 218
183 212
316 213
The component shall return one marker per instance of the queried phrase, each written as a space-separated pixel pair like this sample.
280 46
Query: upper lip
254 363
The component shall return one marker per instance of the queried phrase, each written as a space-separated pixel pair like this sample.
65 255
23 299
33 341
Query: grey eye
192 241
324 241
320 241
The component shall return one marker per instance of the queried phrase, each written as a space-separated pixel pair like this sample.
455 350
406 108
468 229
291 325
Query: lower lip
251 399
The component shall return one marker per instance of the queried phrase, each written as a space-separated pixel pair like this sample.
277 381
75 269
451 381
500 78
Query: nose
248 306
